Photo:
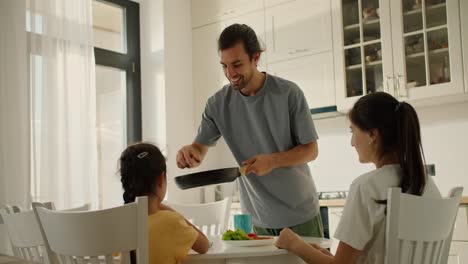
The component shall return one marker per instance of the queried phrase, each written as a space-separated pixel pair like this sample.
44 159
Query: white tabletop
221 251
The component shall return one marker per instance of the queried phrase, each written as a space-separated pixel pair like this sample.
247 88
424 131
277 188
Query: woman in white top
386 133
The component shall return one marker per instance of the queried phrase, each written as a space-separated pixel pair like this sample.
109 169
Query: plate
250 243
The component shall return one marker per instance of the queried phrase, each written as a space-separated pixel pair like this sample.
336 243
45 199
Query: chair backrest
25 236
94 236
418 229
51 206
210 218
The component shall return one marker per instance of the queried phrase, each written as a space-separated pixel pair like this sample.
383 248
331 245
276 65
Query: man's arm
190 156
264 163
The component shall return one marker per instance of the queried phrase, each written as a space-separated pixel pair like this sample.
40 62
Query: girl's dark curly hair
141 167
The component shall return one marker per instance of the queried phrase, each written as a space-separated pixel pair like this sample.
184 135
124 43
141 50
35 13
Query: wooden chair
210 218
419 229
94 236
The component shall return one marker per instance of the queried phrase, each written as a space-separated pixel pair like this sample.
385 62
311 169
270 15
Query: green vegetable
235 235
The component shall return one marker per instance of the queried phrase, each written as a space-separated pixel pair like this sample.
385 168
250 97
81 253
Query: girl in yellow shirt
171 236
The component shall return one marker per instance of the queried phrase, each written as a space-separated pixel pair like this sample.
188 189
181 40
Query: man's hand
189 156
260 164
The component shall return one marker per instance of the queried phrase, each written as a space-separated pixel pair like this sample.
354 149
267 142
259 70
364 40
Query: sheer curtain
63 103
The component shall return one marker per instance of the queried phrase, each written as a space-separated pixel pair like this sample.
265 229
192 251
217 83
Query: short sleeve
356 224
184 236
208 132
302 125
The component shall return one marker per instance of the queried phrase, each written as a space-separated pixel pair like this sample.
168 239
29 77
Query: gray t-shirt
275 119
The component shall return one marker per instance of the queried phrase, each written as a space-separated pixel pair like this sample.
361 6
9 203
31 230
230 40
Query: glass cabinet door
362 39
426 42
431 40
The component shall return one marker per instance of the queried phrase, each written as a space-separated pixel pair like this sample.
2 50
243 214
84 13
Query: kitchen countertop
341 202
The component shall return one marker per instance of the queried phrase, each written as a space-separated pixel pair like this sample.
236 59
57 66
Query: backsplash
443 132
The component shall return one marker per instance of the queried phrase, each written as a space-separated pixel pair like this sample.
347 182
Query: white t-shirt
362 225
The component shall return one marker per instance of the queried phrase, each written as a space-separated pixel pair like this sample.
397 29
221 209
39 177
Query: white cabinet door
460 229
458 253
270 3
207 73
209 11
313 74
464 30
334 216
362 47
427 48
297 29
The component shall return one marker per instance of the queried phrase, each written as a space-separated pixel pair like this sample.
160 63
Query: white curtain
63 100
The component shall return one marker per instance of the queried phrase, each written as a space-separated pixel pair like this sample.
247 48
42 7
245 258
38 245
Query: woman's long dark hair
141 168
398 126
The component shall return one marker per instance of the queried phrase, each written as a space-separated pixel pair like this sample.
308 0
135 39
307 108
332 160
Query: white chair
210 218
93 236
419 229
51 206
25 236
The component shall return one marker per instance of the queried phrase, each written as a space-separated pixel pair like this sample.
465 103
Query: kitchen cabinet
307 31
410 50
464 30
334 216
210 11
208 76
459 247
427 48
270 3
313 74
458 253
362 48
460 229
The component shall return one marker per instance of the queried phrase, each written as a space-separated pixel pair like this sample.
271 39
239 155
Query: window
118 100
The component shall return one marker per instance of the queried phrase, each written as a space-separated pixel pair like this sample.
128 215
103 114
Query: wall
444 132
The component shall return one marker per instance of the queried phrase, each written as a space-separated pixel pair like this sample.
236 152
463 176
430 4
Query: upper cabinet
408 48
362 48
464 30
427 48
210 11
313 74
297 28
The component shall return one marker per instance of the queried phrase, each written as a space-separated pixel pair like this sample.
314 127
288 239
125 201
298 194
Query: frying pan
204 178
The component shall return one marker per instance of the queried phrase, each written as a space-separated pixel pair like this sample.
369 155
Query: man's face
237 66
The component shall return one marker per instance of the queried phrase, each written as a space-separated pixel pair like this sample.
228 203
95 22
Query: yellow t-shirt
170 237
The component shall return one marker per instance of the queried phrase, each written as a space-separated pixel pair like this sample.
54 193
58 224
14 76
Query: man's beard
241 85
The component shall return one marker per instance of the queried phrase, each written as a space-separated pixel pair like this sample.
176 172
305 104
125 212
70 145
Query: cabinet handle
297 51
399 86
386 84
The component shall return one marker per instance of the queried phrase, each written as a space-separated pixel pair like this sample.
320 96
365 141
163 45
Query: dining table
222 253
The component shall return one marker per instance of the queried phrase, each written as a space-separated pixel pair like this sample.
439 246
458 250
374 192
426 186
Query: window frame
130 63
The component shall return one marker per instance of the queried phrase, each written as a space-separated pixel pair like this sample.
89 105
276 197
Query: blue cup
243 222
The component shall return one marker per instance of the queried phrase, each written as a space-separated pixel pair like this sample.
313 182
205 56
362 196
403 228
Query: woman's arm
311 254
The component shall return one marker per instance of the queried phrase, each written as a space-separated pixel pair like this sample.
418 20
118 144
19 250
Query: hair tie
142 155
397 106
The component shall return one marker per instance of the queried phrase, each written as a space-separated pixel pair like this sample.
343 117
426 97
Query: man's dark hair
236 33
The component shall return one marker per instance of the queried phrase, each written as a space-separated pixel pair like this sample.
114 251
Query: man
265 121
